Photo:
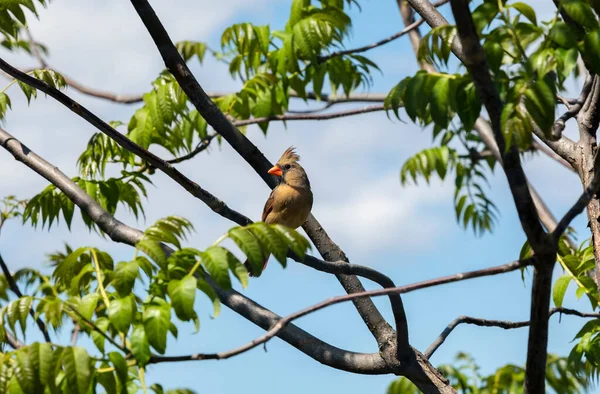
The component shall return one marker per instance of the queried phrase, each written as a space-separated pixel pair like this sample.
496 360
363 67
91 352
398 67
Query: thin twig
336 300
288 117
507 325
559 124
384 41
202 145
15 289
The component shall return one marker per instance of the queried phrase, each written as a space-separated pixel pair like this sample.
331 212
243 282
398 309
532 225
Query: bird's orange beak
275 170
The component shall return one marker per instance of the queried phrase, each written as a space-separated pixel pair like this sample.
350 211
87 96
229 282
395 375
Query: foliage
130 302
465 377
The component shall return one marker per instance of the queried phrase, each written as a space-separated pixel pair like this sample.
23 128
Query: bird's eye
287 167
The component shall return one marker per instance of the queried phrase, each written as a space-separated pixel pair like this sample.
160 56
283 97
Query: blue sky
409 233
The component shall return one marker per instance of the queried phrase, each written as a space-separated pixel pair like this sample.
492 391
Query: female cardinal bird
291 201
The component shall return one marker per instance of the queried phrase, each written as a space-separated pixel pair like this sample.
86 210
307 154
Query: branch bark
119 232
379 328
588 122
193 188
507 325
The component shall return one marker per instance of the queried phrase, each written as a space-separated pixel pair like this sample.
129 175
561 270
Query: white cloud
381 214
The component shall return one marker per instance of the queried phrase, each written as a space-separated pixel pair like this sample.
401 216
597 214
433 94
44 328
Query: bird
290 202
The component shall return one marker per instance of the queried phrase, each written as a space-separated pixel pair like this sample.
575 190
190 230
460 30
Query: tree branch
350 268
583 201
475 61
559 124
120 232
552 154
380 329
507 325
409 27
15 289
193 188
331 115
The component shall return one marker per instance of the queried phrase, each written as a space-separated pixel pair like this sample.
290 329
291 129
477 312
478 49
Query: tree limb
475 61
379 328
120 232
559 124
15 289
583 201
507 325
193 188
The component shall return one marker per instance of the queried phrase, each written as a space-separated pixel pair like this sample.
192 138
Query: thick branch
583 201
120 232
380 329
193 188
507 325
15 289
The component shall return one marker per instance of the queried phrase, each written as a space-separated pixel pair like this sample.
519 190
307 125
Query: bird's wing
268 206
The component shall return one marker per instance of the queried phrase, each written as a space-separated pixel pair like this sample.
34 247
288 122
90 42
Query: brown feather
289 203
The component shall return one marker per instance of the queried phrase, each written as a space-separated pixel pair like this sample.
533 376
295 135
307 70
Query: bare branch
552 154
332 115
335 300
409 27
379 43
507 325
202 145
15 289
559 124
120 232
193 188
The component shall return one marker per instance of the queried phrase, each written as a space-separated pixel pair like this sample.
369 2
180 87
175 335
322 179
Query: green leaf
153 250
125 276
560 287
207 289
121 312
88 304
540 103
216 261
157 317
591 52
139 345
26 370
561 34
439 102
120 366
526 10
183 295
248 243
580 12
297 243
270 240
78 373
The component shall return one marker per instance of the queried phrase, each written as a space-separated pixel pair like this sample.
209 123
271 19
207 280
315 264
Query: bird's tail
249 267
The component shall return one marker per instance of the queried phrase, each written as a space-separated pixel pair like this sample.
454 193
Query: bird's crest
289 156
